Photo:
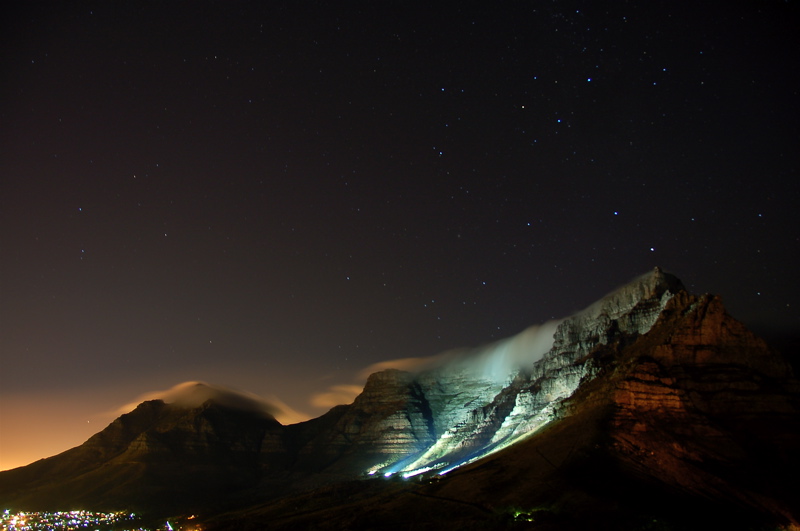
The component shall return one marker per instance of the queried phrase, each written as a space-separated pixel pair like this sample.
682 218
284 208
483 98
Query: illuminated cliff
650 388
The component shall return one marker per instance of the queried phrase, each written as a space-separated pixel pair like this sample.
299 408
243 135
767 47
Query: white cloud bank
496 361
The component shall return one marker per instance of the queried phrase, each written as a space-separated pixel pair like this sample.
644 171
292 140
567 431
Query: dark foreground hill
652 409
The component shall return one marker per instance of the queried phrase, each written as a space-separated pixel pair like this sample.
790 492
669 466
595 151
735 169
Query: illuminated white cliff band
513 387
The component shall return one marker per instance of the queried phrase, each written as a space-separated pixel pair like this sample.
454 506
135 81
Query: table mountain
650 397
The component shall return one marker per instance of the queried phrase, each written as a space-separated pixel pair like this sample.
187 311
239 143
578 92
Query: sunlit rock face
485 400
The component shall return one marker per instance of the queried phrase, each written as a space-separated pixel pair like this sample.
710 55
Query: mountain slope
489 398
691 426
159 456
651 399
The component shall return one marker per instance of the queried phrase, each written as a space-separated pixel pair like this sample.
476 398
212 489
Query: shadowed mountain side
157 457
652 408
693 426
390 419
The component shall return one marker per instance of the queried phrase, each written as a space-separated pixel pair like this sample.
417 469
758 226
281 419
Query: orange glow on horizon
34 427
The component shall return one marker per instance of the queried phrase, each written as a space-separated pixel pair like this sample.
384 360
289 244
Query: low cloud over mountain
652 406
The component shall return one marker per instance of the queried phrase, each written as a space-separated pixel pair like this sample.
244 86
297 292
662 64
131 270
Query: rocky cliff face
651 411
474 413
704 404
389 420
663 383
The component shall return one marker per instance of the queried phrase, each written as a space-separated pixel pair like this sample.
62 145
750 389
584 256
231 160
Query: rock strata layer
663 383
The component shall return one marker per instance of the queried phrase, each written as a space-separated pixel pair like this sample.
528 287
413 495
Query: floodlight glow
417 472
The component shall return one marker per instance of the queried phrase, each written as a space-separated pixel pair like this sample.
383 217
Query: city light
81 521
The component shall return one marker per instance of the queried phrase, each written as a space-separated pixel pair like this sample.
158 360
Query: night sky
273 196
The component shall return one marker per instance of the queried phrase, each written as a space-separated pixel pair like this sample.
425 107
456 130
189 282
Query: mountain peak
194 394
653 284
661 388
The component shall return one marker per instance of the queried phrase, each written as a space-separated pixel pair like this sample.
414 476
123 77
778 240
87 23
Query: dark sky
273 196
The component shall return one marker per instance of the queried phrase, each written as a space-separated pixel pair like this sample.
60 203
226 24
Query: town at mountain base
652 409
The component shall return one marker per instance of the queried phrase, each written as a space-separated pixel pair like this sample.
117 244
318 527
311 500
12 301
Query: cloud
404 364
284 413
336 395
496 361
193 394
339 394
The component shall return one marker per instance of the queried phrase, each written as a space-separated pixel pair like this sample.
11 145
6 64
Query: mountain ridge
632 449
671 393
